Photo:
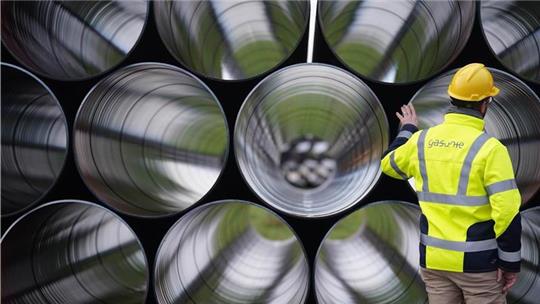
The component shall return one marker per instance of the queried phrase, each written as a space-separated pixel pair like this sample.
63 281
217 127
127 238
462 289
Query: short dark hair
467 104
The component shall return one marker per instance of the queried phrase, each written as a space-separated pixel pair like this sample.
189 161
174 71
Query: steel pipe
513 118
512 30
527 288
72 252
150 139
34 139
231 252
231 40
72 40
371 256
396 41
309 138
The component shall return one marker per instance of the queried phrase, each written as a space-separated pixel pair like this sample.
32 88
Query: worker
470 226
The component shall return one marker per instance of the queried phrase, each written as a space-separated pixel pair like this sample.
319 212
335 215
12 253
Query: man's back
463 179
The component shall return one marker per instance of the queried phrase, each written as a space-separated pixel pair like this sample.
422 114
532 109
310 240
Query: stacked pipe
150 146
34 139
72 252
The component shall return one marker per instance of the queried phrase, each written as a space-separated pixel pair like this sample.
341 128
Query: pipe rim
228 201
91 204
364 77
239 80
499 60
376 178
225 153
66 152
71 79
325 237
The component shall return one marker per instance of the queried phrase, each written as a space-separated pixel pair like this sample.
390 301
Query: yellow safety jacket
470 203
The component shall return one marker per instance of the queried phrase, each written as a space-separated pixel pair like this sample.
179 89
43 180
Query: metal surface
396 41
72 40
527 288
512 30
231 252
231 39
513 118
371 256
72 252
311 101
34 139
150 139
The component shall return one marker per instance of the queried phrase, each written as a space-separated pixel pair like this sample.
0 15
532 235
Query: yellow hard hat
472 82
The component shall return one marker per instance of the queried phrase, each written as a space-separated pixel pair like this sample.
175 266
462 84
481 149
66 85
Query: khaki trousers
445 287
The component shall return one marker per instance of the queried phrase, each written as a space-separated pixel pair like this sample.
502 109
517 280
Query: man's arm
396 157
405 132
505 201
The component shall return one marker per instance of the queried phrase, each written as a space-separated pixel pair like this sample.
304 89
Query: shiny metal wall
308 139
150 139
224 168
396 41
70 40
34 139
72 252
231 40
512 30
223 252
371 256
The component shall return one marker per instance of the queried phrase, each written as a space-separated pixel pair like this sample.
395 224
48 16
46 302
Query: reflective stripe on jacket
470 203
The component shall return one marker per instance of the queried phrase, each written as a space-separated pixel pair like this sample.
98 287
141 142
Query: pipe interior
371 256
513 118
309 138
34 139
150 140
231 252
396 41
512 30
68 40
231 40
72 252
527 288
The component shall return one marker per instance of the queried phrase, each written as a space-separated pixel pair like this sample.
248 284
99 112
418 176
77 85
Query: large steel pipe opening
513 118
371 256
396 41
231 252
34 139
71 40
72 252
231 39
150 139
309 138
527 288
512 30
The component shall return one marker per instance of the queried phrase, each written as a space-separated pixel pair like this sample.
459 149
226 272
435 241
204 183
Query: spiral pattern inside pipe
527 288
72 40
231 39
513 118
371 256
231 252
72 252
309 138
512 30
150 139
34 139
396 41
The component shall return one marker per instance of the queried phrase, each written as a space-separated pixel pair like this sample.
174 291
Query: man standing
470 224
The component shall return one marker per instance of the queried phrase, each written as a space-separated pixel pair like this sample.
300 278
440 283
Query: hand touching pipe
408 116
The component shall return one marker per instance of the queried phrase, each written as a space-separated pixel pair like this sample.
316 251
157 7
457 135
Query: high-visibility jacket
464 180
